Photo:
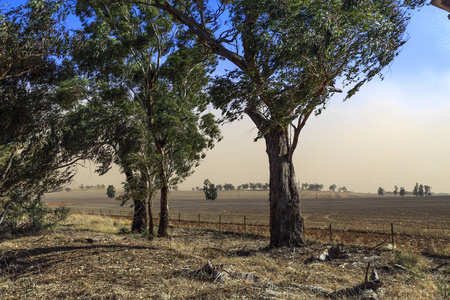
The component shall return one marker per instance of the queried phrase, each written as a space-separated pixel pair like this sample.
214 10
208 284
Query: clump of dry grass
96 223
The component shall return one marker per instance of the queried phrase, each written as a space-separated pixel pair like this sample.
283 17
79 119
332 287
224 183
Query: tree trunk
164 213
286 222
151 230
139 223
140 216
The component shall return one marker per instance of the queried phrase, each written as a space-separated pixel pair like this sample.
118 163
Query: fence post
392 234
331 235
199 221
220 223
179 217
245 225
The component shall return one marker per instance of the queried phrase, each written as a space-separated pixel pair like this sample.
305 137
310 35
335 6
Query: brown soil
75 262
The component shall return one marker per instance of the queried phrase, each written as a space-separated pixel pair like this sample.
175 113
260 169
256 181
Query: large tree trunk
140 216
164 213
151 230
139 223
286 222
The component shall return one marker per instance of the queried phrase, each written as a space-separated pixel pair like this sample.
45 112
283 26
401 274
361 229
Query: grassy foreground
86 258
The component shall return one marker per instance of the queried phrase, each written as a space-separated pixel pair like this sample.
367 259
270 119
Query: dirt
74 263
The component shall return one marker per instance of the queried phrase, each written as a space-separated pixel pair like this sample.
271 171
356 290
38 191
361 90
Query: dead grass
86 259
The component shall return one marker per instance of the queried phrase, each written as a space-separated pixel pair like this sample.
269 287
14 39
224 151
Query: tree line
245 186
132 85
319 187
418 190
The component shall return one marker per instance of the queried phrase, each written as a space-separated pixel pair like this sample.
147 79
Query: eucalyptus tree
137 48
288 57
38 88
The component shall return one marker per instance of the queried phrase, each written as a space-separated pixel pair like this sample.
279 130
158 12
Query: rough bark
164 213
286 222
151 229
140 216
139 223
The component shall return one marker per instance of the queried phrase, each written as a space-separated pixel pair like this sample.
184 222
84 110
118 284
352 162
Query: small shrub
123 231
32 216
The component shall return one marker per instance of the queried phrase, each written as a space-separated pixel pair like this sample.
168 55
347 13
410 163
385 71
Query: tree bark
140 216
139 223
151 230
286 222
164 213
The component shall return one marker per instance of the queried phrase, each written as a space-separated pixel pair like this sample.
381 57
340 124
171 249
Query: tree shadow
19 262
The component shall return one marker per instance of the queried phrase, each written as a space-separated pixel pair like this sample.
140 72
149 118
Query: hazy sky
393 132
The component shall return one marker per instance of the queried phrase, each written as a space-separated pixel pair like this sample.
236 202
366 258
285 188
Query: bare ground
86 259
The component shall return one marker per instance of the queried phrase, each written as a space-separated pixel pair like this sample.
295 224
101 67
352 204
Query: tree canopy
289 55
138 51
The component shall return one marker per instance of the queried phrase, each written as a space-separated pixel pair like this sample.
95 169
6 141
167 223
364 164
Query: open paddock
423 216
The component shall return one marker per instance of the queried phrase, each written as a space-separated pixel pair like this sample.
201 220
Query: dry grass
85 259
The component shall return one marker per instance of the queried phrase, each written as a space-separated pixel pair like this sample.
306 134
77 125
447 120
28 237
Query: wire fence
256 225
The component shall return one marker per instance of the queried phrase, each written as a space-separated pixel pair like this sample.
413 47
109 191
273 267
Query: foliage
333 187
315 187
38 91
29 214
210 190
288 57
421 190
402 191
111 191
416 190
228 187
137 52
342 189
380 191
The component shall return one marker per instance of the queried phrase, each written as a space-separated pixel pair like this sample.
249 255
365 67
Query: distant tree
427 190
395 190
265 187
81 187
315 187
416 190
175 187
197 188
342 189
219 187
210 190
332 187
420 191
380 191
239 187
228 187
259 185
305 186
253 186
67 189
193 189
245 186
111 191
103 186
402 191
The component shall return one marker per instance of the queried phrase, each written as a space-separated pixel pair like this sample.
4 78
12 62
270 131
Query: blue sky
393 132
